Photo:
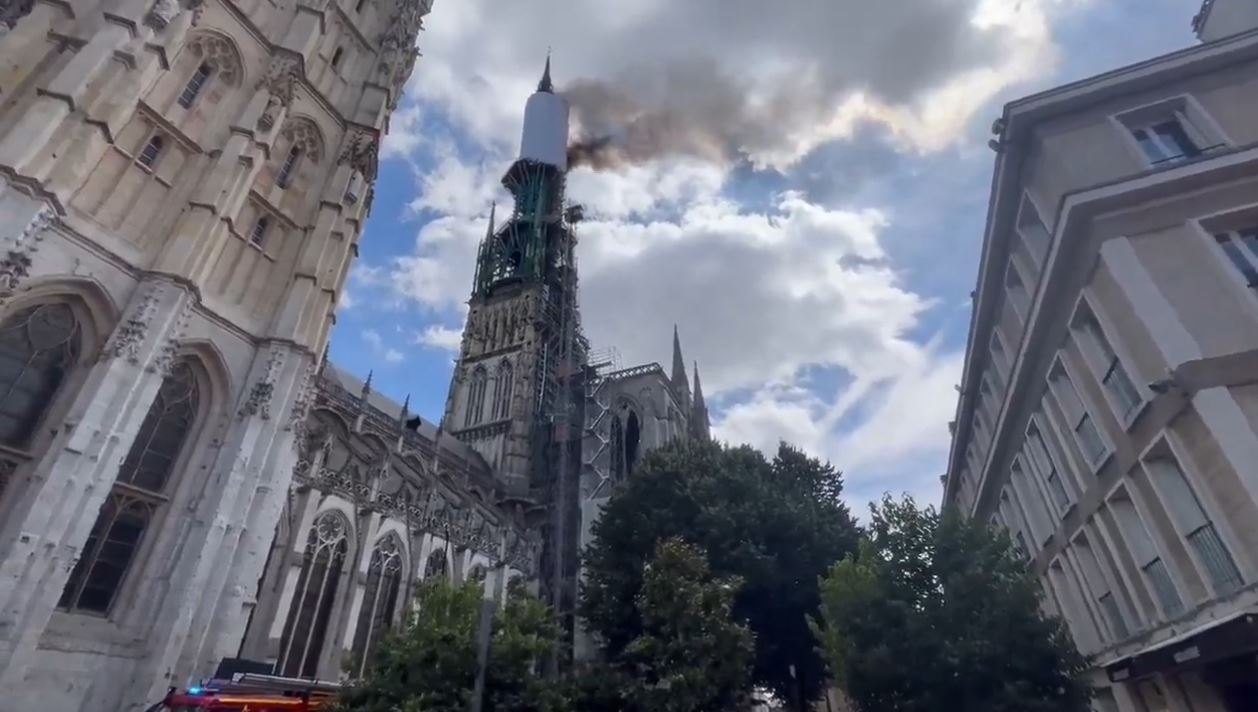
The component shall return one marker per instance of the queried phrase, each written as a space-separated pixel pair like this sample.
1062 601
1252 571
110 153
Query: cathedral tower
522 337
516 393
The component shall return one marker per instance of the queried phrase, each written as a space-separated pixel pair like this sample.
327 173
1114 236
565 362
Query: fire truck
236 691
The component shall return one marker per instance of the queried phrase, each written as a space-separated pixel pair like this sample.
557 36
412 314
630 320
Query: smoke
687 109
769 84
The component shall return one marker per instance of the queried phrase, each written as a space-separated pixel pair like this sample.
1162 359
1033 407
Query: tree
777 526
690 655
939 612
430 664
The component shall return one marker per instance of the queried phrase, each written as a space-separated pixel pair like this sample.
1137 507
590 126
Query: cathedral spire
679 379
545 86
493 208
699 423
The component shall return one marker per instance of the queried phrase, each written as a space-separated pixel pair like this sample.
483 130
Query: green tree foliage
691 656
776 525
430 664
939 612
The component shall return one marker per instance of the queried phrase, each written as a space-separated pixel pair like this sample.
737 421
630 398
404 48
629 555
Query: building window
632 435
290 164
476 398
38 347
1037 510
1080 421
138 492
1241 249
1146 556
1017 291
193 88
150 152
503 386
1194 525
260 228
616 449
336 57
1100 589
1165 141
1033 231
310 611
1105 364
1042 461
380 597
999 362
435 567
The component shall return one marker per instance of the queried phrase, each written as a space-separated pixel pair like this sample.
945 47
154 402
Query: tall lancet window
435 567
502 390
194 86
617 446
38 347
138 493
476 397
380 596
311 608
633 432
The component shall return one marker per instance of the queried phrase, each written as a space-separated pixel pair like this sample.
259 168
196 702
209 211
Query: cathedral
184 479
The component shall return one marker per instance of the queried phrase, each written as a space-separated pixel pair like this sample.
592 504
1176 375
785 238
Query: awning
1218 639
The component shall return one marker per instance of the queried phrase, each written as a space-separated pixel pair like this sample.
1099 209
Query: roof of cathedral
427 428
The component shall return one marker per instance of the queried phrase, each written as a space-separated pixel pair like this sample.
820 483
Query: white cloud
440 337
377 344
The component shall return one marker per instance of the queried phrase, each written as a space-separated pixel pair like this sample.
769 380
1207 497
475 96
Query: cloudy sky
803 194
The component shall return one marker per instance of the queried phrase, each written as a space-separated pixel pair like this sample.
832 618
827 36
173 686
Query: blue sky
807 207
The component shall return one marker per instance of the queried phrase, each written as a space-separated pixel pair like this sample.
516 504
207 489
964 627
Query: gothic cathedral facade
183 479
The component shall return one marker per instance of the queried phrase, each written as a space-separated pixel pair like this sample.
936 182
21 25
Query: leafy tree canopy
939 612
775 525
429 665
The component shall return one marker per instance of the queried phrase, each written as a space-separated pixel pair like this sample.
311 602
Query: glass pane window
150 152
1114 616
1216 559
260 229
94 582
435 567
1043 462
1122 391
476 398
1033 231
193 88
1241 250
290 165
1017 291
38 347
163 431
1166 141
310 609
1081 423
380 597
502 391
1163 587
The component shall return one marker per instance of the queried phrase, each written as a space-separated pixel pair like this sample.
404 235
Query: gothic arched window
194 85
310 611
38 346
290 165
616 445
380 596
435 567
138 493
478 574
633 433
149 154
502 390
476 397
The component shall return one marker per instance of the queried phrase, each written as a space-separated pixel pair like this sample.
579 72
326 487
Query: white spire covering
545 137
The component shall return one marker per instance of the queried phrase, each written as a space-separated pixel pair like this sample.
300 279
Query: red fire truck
251 692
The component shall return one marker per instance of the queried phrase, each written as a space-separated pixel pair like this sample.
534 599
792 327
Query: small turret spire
680 382
700 426
545 85
493 208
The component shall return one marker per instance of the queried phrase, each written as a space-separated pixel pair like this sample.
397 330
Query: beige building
1109 410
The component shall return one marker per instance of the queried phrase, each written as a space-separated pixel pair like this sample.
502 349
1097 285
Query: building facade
182 187
1108 416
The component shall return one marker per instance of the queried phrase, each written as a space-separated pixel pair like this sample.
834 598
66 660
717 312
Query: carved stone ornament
273 107
218 52
129 335
259 400
15 265
281 75
165 357
305 398
11 11
360 152
161 14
